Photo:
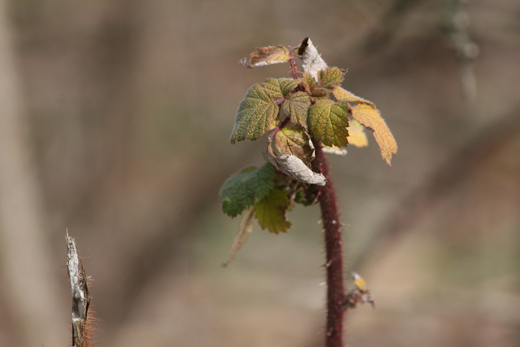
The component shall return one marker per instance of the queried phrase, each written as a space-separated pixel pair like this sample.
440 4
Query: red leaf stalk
334 253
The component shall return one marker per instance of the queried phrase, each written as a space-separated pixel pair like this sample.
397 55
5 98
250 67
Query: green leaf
309 82
270 211
328 122
255 114
297 107
241 190
280 87
293 140
330 78
307 195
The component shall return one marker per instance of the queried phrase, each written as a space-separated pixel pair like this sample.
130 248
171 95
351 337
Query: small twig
292 63
80 296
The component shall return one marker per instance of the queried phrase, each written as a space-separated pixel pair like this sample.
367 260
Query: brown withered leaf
293 166
368 115
267 56
245 228
293 140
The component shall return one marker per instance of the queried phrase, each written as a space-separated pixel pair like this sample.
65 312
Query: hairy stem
334 253
292 63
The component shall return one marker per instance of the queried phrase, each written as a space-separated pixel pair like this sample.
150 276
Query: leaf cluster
294 112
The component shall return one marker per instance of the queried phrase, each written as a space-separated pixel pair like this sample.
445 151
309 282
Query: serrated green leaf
280 87
255 114
307 195
328 122
309 82
293 140
241 190
296 106
330 78
270 211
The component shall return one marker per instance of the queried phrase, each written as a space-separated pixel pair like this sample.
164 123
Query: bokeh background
115 119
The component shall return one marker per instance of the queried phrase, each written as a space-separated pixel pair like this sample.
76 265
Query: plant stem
334 252
292 63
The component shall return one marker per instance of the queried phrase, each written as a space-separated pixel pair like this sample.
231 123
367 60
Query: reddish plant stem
334 253
292 63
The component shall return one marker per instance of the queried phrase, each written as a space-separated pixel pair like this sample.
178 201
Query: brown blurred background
115 118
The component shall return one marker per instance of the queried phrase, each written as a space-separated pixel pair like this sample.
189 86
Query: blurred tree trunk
27 278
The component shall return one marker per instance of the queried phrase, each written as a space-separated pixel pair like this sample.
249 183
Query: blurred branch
389 24
457 29
447 177
27 278
157 251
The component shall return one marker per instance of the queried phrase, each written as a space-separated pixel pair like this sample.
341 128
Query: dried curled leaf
293 166
255 114
267 56
270 211
311 59
244 229
328 122
294 141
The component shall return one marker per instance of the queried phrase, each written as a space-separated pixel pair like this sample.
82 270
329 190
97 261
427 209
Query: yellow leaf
356 134
368 115
267 56
344 95
359 282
